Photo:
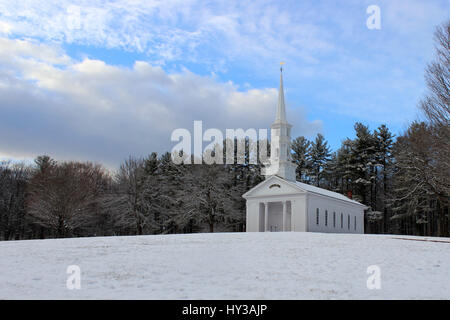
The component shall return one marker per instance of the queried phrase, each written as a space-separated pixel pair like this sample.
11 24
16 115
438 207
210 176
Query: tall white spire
281 108
280 163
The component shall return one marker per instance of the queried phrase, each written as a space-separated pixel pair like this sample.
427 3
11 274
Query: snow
227 266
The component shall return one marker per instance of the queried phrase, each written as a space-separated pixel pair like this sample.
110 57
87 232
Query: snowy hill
227 266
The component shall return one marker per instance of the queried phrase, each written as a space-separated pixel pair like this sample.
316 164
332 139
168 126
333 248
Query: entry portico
279 218
270 206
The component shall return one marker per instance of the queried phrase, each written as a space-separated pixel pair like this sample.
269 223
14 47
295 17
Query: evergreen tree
319 154
363 151
14 223
384 159
300 152
331 174
344 167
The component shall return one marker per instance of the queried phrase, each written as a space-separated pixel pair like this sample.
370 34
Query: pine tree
344 167
384 159
175 204
331 173
13 186
363 150
300 152
319 154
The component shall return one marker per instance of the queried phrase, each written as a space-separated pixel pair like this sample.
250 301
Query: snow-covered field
227 266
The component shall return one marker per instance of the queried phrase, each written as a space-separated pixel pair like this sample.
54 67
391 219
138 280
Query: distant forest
404 180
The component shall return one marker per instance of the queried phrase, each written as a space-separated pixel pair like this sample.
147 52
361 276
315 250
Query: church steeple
281 108
280 163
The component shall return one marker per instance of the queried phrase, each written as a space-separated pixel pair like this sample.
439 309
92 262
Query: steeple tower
280 163
281 108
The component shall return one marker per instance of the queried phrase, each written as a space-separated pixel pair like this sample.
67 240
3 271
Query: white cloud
5 27
174 30
336 65
91 110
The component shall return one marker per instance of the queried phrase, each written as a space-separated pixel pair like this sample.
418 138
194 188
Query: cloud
5 27
336 66
89 110
174 30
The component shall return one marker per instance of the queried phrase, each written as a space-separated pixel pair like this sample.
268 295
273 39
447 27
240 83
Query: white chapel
280 203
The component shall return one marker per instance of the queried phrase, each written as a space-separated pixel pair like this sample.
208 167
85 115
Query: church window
348 221
355 222
342 220
334 219
326 218
317 216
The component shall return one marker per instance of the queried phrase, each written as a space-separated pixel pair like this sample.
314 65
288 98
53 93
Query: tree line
404 180
145 196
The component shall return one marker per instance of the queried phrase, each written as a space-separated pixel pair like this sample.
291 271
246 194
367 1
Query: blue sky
99 80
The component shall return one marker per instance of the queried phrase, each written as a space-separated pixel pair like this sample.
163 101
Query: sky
102 80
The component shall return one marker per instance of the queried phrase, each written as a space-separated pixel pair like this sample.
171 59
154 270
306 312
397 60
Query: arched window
326 218
317 216
334 219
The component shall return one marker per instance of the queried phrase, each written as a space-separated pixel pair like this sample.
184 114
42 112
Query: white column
284 215
292 214
247 221
266 216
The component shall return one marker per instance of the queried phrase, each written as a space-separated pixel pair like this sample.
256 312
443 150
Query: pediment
272 187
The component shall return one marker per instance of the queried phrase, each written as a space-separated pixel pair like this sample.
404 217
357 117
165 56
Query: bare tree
64 197
436 104
210 196
127 200
415 177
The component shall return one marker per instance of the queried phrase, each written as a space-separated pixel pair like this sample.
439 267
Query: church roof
302 187
325 192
